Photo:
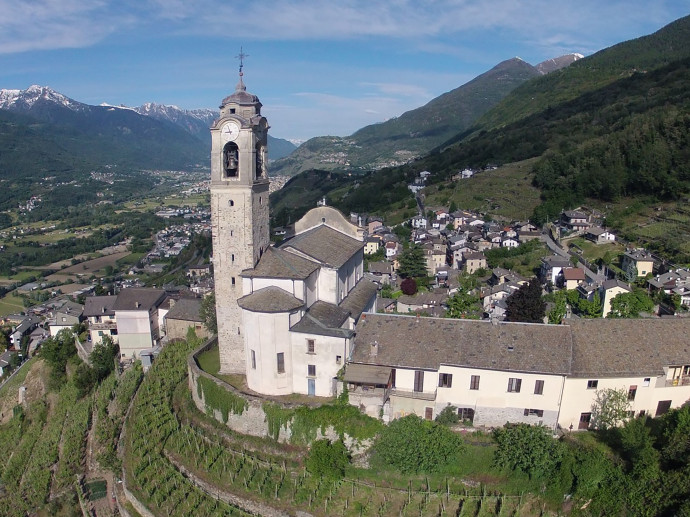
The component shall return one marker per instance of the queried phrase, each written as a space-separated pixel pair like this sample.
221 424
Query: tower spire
241 56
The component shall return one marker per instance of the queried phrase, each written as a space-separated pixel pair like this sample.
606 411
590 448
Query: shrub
413 445
408 286
449 416
328 460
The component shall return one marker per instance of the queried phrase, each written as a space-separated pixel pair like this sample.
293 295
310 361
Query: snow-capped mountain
25 100
195 121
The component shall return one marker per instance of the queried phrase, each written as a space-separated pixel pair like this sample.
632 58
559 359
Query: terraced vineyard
48 450
181 462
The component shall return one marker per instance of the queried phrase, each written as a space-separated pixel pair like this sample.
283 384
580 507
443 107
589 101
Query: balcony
680 381
419 395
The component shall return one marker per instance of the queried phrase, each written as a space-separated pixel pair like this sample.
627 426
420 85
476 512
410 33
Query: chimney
374 350
137 304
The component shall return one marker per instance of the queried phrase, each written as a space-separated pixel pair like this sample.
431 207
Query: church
299 316
286 314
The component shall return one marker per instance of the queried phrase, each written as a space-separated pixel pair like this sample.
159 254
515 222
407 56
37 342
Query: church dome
240 96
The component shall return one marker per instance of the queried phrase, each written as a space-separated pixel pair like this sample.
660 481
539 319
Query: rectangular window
514 385
311 370
445 380
429 413
538 387
466 413
338 359
310 346
393 378
418 380
632 391
281 362
253 360
474 382
534 412
592 384
646 381
232 280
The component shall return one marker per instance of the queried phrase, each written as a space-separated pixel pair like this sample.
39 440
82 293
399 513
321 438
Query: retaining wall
253 420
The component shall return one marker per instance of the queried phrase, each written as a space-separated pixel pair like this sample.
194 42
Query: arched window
259 161
231 160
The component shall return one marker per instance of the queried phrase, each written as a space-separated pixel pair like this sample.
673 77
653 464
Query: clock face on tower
230 130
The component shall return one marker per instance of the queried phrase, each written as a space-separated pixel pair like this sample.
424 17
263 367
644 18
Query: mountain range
416 132
145 137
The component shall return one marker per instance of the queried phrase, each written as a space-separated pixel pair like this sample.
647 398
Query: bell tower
239 212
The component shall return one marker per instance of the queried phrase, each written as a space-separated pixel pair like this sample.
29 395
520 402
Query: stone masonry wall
253 419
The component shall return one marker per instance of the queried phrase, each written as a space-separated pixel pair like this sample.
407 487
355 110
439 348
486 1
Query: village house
65 316
138 319
198 271
184 314
24 326
419 221
371 245
574 221
100 314
551 267
638 260
570 277
599 235
609 290
420 302
392 249
498 372
472 261
675 282
381 272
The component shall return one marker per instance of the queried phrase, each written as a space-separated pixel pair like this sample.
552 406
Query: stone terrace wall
253 420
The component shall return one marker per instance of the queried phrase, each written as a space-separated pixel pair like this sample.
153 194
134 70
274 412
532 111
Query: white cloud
51 24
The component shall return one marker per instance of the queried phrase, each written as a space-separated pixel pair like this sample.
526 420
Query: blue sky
319 67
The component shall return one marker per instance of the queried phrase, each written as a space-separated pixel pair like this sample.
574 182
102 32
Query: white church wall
327 359
311 286
327 289
267 335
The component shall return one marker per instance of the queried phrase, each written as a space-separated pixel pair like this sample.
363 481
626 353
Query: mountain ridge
417 131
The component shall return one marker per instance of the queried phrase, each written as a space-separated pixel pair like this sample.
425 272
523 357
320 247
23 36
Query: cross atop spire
241 56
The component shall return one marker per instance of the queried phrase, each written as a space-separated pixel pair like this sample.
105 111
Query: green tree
103 357
526 304
208 313
463 305
589 309
56 351
412 444
412 263
327 460
630 305
84 379
558 312
528 448
610 408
